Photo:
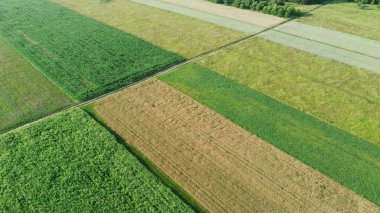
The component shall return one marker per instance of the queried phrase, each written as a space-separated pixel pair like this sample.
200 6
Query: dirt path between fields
247 16
221 165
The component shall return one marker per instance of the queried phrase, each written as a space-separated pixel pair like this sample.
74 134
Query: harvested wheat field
222 166
247 16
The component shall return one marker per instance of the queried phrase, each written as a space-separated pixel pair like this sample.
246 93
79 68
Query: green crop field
304 91
70 163
83 56
181 34
349 160
347 17
25 94
344 96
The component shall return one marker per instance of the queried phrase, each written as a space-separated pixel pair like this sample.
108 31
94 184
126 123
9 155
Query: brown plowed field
221 165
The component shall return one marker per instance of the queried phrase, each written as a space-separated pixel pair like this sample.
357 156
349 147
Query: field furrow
221 165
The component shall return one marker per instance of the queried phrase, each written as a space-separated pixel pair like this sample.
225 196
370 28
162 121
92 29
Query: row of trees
273 7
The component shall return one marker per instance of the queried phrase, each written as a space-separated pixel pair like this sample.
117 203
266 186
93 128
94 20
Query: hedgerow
363 3
84 57
70 163
273 7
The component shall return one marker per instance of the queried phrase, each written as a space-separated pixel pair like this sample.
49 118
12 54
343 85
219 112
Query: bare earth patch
247 16
224 167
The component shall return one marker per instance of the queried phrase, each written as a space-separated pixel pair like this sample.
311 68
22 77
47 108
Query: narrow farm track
215 160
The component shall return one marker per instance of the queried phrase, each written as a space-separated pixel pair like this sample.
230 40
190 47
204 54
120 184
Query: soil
224 167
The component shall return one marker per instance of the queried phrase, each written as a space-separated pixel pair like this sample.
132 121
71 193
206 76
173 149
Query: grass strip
25 94
334 38
70 163
84 57
351 161
344 96
346 16
218 20
324 50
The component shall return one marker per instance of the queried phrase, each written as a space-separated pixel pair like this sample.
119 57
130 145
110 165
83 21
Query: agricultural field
345 16
318 144
341 95
184 35
70 163
84 57
189 106
25 94
251 17
220 164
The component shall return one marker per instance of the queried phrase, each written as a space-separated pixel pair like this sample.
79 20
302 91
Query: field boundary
345 56
150 166
357 44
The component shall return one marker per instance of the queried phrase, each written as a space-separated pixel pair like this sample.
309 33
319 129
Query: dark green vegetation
25 94
363 3
83 56
70 163
341 95
273 7
351 161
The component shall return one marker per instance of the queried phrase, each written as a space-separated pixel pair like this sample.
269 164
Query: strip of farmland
25 94
348 17
351 161
327 51
220 164
70 163
247 16
344 96
178 33
341 40
218 20
83 56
